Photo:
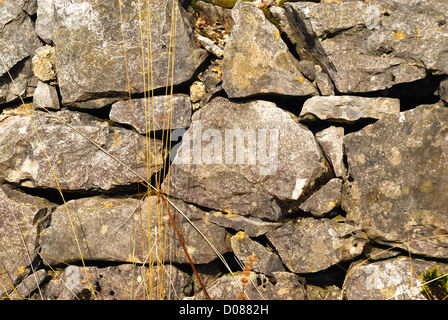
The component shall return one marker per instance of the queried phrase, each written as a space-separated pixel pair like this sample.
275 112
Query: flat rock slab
92 65
253 227
347 109
399 171
288 286
121 282
396 279
250 159
271 69
116 229
76 162
373 46
311 245
155 113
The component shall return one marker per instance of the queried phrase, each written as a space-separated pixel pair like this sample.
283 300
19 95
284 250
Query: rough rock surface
372 46
388 279
287 286
399 172
311 245
256 181
23 160
266 261
271 70
18 41
307 148
19 214
45 97
347 109
325 199
96 52
94 224
253 227
121 282
155 113
332 140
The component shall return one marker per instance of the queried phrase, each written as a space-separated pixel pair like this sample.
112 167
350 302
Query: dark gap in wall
100 113
334 275
54 196
411 94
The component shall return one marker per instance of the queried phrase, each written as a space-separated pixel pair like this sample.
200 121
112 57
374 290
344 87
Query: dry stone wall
290 150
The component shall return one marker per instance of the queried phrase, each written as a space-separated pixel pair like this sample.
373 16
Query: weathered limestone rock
45 97
372 46
399 172
23 82
288 286
250 159
45 20
332 141
92 64
19 215
18 41
116 229
29 6
17 37
311 245
77 163
265 261
253 227
347 109
154 113
397 279
122 282
325 199
271 69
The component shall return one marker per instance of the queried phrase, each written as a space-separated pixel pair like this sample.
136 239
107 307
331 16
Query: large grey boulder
117 229
28 143
250 159
257 61
398 172
310 245
370 46
92 65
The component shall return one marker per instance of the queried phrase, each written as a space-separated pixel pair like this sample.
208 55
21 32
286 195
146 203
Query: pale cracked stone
396 279
398 172
271 68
